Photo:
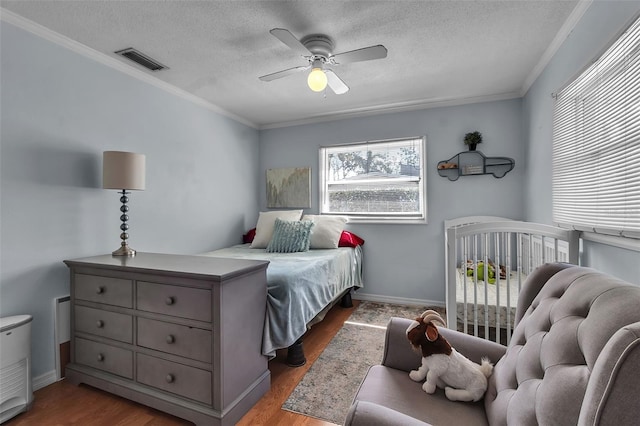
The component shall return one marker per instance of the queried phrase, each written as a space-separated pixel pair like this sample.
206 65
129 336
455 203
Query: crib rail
487 264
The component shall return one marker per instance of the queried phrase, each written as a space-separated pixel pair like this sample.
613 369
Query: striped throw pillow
290 236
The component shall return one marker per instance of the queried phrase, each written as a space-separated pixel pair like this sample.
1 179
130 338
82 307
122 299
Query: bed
487 259
302 287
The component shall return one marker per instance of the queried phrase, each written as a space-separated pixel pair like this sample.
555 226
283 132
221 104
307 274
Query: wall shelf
471 163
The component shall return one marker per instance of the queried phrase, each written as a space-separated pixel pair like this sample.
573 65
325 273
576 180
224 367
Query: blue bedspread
300 286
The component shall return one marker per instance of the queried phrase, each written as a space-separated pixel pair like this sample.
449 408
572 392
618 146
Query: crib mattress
501 297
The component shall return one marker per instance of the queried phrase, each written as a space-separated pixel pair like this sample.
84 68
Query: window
377 181
596 144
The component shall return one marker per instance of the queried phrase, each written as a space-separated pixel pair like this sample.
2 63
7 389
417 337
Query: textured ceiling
438 51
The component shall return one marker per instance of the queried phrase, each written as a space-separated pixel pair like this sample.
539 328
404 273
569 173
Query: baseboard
395 300
44 380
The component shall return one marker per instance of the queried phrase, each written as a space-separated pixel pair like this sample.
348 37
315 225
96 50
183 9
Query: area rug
326 391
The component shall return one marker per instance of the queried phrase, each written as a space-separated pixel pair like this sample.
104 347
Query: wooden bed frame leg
346 301
295 355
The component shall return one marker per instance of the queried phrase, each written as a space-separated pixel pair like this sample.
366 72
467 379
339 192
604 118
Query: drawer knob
169 378
100 357
170 300
170 339
99 323
99 290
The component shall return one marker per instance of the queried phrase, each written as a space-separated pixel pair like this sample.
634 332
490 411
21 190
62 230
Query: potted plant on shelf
472 140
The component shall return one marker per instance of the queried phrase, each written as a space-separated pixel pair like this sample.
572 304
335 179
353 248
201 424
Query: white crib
487 260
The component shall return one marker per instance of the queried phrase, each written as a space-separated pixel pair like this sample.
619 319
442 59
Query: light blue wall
407 261
60 110
599 26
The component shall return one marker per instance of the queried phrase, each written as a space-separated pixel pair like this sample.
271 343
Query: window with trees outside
596 144
375 181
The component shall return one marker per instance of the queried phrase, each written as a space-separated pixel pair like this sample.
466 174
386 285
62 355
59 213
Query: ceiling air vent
141 59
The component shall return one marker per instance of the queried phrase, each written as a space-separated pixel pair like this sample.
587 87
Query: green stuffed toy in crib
491 271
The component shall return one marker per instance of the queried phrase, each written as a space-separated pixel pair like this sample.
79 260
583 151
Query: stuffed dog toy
442 366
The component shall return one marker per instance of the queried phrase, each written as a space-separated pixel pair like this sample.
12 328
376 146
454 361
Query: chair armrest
474 348
611 396
398 352
371 414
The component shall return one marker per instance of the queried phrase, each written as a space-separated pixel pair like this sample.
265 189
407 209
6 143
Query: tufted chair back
574 357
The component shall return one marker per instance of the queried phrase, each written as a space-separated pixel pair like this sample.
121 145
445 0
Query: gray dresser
182 334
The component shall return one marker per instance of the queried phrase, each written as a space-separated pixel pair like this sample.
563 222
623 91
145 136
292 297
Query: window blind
596 144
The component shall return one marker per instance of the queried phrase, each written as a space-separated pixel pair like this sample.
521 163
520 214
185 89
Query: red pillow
249 236
349 239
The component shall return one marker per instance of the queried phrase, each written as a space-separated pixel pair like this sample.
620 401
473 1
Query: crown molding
557 41
391 108
86 51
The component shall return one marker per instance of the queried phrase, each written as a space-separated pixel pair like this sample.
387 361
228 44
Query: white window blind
596 144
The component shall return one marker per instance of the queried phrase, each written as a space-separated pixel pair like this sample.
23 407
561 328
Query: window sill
387 220
621 242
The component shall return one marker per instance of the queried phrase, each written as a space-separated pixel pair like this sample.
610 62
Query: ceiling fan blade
335 83
290 40
283 73
358 55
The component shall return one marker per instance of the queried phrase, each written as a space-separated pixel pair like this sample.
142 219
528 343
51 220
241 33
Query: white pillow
266 222
326 232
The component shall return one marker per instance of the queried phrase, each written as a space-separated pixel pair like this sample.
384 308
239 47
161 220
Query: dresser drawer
107 324
179 379
110 291
189 342
184 302
104 357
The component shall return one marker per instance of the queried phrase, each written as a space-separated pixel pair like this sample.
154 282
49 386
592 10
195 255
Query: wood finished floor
65 404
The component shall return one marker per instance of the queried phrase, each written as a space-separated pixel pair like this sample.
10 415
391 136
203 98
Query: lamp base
124 250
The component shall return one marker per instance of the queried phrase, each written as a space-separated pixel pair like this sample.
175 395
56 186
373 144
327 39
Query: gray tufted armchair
574 359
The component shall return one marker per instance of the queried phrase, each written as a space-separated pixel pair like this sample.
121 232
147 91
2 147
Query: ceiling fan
317 49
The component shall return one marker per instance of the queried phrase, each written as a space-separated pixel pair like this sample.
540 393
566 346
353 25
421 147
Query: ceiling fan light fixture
317 79
318 50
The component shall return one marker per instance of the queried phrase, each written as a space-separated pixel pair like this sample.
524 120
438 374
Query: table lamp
123 171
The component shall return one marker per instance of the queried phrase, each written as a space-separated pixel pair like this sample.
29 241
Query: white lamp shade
123 170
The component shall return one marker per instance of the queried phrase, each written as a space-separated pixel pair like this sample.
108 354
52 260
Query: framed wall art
289 187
